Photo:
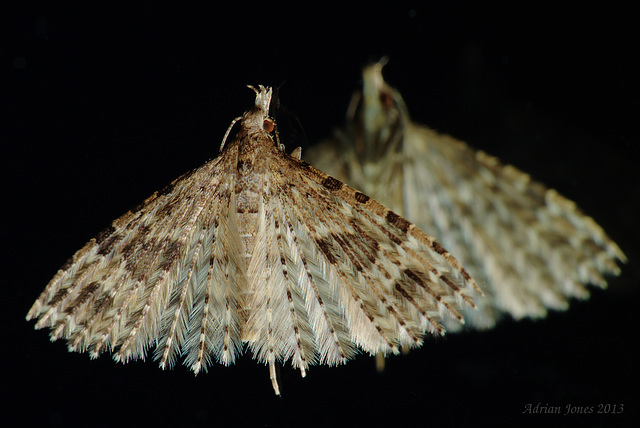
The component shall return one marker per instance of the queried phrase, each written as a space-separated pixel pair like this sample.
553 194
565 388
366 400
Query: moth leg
274 377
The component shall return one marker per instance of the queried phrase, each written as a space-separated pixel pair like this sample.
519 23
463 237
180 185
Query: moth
255 250
529 248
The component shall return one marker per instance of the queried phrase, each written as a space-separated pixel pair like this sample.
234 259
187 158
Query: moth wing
145 279
360 270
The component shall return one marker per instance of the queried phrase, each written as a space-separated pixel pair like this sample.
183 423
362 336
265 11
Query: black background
102 105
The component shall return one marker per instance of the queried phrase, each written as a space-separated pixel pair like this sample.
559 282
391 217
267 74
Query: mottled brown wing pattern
386 254
111 294
204 316
332 269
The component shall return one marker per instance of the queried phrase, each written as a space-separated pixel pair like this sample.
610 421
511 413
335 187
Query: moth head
256 119
258 115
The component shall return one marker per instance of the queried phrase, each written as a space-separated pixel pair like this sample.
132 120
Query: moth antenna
226 134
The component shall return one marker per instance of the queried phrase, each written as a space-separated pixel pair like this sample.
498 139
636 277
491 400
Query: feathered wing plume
254 247
528 247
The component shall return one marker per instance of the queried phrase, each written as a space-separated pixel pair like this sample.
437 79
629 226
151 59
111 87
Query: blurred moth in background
529 248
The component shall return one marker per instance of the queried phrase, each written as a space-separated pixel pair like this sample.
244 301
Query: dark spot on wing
438 248
325 247
83 296
332 184
398 221
448 282
395 240
58 297
404 292
172 255
415 278
362 198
